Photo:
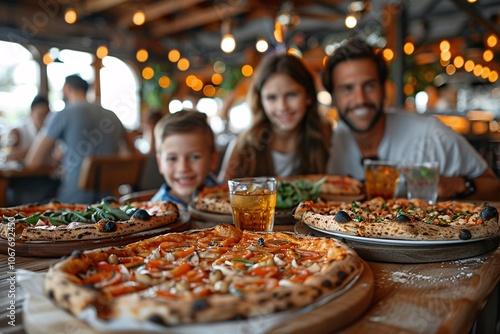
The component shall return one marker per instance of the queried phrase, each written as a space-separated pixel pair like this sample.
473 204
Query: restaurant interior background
163 55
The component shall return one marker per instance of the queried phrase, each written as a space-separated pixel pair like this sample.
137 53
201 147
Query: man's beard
374 121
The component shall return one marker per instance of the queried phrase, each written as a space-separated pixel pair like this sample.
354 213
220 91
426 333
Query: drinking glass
381 178
253 202
422 181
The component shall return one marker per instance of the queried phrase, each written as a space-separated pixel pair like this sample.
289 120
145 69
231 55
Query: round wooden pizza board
62 248
42 316
422 253
336 314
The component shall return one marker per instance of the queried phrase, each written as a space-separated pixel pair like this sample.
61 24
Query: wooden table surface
7 174
440 297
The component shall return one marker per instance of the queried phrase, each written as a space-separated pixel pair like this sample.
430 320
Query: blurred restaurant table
13 172
459 296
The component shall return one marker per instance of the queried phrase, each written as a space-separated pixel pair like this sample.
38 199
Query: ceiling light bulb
228 44
102 52
351 21
261 45
70 15
139 18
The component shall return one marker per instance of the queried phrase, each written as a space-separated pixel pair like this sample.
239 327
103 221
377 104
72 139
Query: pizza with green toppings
202 276
57 221
408 219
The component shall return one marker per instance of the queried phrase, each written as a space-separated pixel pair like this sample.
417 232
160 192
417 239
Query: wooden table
7 174
442 297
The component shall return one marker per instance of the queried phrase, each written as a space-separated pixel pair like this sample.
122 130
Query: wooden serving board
62 248
42 316
336 314
422 253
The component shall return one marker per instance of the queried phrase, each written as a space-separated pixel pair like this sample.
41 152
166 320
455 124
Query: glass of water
422 181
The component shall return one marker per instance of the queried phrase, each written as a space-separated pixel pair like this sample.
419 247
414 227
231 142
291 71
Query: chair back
106 173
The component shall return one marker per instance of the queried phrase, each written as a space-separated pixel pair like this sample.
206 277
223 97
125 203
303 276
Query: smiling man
355 75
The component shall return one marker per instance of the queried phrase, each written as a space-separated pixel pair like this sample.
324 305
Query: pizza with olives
57 221
408 219
202 276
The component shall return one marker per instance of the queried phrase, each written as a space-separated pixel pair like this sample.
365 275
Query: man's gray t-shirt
408 138
84 129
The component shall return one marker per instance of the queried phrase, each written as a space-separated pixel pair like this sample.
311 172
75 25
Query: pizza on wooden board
203 276
57 221
291 191
408 219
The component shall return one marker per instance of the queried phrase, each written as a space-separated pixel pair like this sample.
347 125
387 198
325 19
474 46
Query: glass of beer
381 178
253 201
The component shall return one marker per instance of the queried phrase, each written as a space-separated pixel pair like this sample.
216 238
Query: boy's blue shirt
163 194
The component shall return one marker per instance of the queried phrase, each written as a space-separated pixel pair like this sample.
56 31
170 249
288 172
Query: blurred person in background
83 129
19 139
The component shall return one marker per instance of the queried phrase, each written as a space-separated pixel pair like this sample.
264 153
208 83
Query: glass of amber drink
381 178
253 201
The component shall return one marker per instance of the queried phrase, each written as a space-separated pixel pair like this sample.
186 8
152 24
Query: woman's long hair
253 146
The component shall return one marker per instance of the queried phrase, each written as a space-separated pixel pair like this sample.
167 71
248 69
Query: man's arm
39 153
487 186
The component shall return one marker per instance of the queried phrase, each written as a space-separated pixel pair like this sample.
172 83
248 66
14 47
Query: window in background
19 82
119 84
68 62
120 91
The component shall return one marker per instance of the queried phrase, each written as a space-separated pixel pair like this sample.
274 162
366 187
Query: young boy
186 155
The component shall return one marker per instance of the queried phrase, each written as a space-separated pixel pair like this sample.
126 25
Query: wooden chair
107 173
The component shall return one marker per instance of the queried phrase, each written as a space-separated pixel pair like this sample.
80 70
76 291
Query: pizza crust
340 267
167 213
326 216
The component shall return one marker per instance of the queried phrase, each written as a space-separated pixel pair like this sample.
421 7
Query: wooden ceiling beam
156 10
95 6
196 19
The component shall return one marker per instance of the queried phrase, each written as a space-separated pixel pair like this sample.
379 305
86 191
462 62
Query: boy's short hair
184 121
77 83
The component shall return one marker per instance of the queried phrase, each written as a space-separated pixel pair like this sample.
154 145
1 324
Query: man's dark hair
77 83
355 48
39 99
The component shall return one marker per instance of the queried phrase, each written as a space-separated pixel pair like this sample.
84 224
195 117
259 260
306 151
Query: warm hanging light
261 45
488 55
351 21
139 17
142 55
285 19
228 43
356 10
102 51
174 55
70 16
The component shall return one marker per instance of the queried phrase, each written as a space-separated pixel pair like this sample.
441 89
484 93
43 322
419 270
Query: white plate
395 242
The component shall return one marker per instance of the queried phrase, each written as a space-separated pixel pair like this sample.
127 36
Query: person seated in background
84 129
185 150
20 138
287 135
355 76
39 188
